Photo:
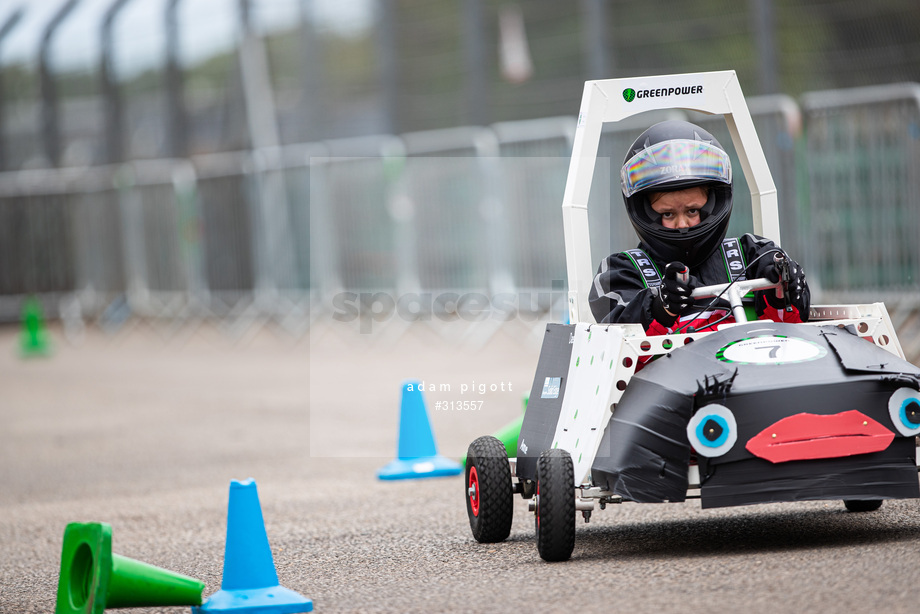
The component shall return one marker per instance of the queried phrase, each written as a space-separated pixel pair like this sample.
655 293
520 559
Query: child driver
677 187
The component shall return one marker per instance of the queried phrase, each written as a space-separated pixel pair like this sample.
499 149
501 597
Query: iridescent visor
675 160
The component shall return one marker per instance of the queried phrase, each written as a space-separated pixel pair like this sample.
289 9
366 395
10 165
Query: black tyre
489 493
555 517
862 505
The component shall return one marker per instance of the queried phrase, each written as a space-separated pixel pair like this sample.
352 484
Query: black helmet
674 155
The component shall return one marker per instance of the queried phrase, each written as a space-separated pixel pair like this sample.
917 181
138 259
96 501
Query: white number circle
770 350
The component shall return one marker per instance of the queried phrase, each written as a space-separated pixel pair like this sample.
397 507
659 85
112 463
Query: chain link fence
276 234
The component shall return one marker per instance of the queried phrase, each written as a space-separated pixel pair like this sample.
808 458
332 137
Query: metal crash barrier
274 234
862 152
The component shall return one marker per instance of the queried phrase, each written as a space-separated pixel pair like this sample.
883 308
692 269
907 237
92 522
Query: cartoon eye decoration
713 431
904 409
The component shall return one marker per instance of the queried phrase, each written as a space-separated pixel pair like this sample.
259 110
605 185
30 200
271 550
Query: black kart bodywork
811 444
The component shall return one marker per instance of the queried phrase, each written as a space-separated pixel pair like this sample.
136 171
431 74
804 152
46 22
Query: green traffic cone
33 340
509 434
93 579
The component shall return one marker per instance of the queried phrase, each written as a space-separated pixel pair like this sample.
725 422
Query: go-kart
754 412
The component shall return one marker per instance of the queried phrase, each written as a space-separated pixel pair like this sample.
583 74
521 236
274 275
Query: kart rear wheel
555 505
862 505
489 493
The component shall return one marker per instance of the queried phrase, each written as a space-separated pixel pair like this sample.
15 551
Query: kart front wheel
555 505
862 505
489 493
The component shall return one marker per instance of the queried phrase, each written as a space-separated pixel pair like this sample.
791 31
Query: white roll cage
715 93
613 100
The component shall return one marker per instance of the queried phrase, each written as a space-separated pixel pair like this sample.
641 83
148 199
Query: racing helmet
673 155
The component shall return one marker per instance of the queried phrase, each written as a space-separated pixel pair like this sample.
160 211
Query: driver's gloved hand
673 298
798 295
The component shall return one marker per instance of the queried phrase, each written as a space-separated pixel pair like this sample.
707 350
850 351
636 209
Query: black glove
785 269
673 294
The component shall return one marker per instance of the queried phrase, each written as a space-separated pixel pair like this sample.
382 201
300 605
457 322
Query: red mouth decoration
810 436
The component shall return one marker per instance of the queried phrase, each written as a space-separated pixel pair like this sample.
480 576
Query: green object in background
509 434
33 340
93 579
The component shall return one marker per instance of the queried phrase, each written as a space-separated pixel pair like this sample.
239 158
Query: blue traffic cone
250 583
418 454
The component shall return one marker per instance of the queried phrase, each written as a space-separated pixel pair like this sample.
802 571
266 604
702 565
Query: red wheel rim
474 495
538 505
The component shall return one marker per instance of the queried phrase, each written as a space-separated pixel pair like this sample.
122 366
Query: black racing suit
619 293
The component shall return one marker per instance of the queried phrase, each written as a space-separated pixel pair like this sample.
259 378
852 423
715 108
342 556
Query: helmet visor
675 160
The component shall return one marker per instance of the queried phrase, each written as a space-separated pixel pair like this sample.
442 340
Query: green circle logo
629 94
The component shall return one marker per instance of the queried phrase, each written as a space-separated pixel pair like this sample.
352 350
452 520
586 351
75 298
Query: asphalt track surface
145 429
